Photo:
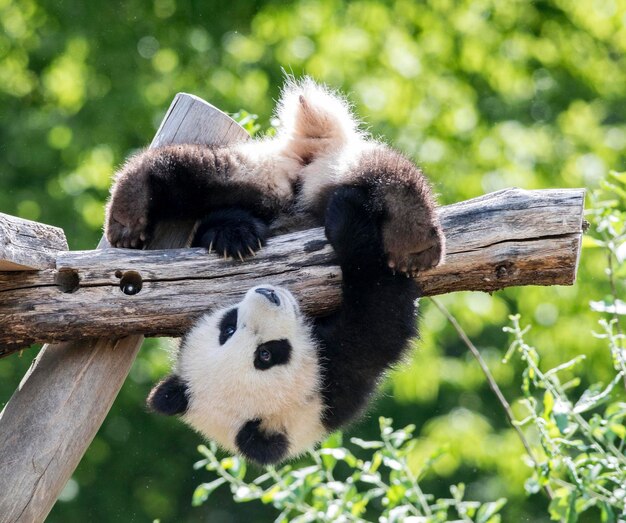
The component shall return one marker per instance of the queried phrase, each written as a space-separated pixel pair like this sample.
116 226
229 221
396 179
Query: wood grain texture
509 238
27 245
51 419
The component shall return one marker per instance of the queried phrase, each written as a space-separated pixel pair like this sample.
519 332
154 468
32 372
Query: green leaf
374 479
458 491
548 404
377 460
204 490
531 485
562 506
395 494
359 507
245 493
561 413
367 444
606 513
488 510
618 429
333 441
617 307
268 496
595 396
392 463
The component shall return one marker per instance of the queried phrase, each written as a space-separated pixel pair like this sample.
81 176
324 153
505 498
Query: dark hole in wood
67 280
502 271
130 282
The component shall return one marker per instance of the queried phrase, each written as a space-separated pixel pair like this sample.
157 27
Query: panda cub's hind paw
231 233
427 252
127 231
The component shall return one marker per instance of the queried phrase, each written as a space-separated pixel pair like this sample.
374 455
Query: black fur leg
371 330
260 447
169 396
231 232
353 230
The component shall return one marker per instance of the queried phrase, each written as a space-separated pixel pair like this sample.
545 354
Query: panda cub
318 147
267 382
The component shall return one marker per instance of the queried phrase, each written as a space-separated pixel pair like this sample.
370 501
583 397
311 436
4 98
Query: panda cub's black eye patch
228 325
270 353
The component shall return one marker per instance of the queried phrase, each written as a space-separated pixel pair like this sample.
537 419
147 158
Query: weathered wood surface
509 238
28 245
51 419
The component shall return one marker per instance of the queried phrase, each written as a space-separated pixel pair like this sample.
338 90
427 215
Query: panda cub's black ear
169 396
264 448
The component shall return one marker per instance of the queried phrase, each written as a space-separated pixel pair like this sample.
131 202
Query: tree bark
508 238
52 418
27 245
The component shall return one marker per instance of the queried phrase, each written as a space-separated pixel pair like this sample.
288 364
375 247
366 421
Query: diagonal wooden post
51 419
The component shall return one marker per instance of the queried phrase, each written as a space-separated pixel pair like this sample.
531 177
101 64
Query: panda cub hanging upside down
265 381
260 378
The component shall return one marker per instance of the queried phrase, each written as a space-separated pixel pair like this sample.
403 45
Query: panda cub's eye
270 353
228 326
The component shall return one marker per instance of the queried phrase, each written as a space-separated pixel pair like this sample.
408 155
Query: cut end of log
28 246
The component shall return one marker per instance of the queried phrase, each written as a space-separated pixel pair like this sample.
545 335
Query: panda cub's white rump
314 120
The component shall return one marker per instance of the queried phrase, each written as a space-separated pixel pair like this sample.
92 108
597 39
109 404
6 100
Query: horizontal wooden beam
27 245
508 238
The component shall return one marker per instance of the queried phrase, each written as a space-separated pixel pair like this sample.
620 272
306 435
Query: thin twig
492 384
620 336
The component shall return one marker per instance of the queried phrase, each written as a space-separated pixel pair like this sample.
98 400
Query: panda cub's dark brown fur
318 147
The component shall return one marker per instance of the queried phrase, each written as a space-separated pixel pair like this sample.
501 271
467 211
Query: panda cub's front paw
232 233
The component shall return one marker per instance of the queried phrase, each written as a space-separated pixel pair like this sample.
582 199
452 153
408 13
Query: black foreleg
377 317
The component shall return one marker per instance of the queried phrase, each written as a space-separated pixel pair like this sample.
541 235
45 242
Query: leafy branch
339 486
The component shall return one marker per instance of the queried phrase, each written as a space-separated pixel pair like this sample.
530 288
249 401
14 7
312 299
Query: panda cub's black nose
270 295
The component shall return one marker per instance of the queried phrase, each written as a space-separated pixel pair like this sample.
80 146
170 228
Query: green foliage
609 217
583 464
248 121
339 486
484 94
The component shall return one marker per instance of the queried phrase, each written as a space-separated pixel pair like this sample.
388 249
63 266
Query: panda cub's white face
253 361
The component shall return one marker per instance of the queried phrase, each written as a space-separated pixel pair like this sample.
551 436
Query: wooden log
27 245
51 419
508 238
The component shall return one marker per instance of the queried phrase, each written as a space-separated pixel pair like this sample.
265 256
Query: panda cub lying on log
260 378
265 381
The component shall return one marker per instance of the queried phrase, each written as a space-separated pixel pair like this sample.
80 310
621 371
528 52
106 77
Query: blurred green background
483 94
